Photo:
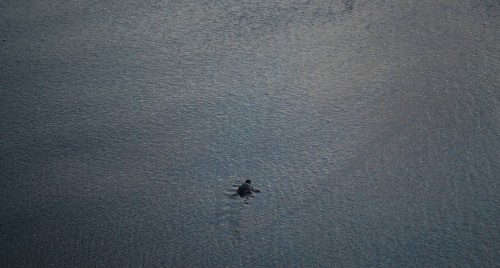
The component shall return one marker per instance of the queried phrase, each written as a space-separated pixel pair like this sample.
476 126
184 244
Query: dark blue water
372 129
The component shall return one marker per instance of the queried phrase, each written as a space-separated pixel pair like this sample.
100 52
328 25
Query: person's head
248 181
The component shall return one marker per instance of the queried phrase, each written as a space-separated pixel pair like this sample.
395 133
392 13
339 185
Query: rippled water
371 127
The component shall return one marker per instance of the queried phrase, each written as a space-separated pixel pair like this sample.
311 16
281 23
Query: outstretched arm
255 190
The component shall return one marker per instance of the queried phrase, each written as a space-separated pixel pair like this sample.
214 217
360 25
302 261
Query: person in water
247 188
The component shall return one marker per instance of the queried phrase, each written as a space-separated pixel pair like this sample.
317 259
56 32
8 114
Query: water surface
371 127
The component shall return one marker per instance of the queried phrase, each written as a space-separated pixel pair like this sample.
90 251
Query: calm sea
372 129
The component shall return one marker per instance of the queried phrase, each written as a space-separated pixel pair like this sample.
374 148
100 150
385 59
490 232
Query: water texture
372 129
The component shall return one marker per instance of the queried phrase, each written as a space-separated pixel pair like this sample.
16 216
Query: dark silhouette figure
247 189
